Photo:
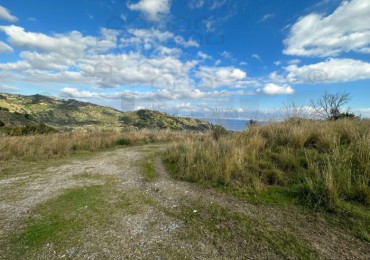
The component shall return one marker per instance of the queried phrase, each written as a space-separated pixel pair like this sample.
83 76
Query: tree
252 122
330 106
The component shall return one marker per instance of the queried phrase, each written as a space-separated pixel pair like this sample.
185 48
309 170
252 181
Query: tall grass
58 145
322 161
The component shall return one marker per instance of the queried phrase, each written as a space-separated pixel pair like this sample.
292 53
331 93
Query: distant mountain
20 110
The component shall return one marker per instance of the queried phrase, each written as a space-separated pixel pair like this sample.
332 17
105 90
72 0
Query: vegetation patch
317 163
148 168
62 220
235 235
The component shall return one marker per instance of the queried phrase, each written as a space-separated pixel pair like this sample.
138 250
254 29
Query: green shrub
123 141
317 195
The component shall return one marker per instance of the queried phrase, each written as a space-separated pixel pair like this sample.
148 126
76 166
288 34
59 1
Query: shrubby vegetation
319 162
9 130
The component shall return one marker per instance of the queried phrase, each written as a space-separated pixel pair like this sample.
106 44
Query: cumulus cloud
274 89
6 15
154 38
329 71
153 10
101 70
29 40
73 59
214 77
5 47
344 30
70 45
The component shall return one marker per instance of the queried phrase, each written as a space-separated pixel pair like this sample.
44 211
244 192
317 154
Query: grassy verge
320 165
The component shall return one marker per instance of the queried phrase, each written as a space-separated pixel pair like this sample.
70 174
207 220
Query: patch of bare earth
158 226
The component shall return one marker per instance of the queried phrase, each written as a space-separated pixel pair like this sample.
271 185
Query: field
297 189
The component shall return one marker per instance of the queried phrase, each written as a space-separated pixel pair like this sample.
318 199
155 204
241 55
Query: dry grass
322 161
58 145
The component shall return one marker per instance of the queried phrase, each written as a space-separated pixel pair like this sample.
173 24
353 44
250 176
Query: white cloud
159 95
5 47
190 43
226 55
329 71
295 61
275 77
364 110
153 38
217 4
210 24
196 4
152 9
214 77
266 17
73 59
6 15
7 89
76 93
72 44
273 89
58 51
164 51
203 55
346 29
257 57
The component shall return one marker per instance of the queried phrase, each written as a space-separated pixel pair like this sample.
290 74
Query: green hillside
20 110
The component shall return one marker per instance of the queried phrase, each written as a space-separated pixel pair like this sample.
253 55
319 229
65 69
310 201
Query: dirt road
131 218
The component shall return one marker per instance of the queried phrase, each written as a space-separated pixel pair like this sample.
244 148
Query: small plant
123 141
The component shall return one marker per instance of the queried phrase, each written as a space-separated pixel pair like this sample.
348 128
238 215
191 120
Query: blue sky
236 59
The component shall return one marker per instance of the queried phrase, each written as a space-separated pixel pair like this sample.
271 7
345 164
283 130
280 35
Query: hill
20 110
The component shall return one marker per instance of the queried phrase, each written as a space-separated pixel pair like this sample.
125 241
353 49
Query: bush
2 123
317 195
123 141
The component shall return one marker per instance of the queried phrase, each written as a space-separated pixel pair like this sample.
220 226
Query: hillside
20 110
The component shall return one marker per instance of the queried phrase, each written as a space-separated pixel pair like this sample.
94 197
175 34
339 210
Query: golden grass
321 160
58 145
